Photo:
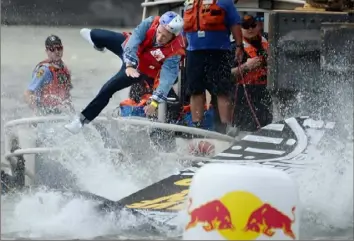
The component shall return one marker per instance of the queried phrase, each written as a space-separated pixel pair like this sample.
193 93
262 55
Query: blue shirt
170 67
215 39
40 77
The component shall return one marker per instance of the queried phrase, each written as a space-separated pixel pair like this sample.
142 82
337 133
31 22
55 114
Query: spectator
49 90
253 103
207 27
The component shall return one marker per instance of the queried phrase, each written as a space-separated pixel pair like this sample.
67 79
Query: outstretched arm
168 75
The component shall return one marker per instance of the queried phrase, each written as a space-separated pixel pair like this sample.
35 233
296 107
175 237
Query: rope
255 118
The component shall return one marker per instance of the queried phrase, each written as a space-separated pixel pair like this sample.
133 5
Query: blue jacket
170 68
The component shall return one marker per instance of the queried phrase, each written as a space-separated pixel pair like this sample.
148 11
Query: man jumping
153 50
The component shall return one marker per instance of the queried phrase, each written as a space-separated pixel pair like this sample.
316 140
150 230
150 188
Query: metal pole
161 112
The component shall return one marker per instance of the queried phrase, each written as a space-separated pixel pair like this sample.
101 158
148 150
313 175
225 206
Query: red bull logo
212 215
241 215
267 218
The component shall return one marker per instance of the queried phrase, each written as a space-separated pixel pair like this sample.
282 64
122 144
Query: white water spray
327 190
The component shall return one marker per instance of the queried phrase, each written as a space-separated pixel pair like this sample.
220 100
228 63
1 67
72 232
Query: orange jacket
144 98
58 90
203 16
259 75
130 102
151 58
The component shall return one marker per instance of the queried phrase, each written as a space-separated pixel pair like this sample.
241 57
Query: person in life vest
154 49
207 29
49 90
253 103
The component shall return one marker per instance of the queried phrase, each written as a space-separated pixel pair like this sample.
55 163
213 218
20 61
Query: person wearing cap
253 103
49 90
207 28
151 53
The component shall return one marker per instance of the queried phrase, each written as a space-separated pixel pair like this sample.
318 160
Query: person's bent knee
102 37
98 35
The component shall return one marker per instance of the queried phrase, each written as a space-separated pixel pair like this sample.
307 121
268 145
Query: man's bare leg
224 107
197 108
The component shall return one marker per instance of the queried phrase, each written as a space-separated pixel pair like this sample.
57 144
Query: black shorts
209 70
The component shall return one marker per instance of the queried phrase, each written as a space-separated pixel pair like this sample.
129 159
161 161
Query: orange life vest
58 90
203 15
130 102
151 58
144 98
259 75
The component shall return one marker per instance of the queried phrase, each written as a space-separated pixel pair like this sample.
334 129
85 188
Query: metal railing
11 126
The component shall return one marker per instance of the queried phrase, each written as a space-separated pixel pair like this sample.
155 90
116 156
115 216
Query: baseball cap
248 21
53 40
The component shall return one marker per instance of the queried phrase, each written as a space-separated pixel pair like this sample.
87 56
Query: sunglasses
248 26
53 48
260 19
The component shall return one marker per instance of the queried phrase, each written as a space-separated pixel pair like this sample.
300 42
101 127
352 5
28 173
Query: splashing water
54 215
49 214
327 191
43 213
